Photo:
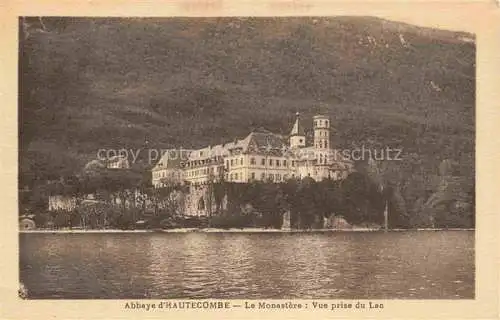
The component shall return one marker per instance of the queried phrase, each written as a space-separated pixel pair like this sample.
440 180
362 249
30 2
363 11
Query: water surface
333 265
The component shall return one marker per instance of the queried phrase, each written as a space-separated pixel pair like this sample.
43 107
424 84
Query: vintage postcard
251 160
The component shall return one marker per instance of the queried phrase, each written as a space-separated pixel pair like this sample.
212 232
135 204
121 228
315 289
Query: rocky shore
235 230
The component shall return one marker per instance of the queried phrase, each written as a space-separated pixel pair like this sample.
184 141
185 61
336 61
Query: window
271 162
231 177
262 176
252 161
278 163
236 176
271 176
284 163
241 161
252 175
263 161
293 163
227 163
326 122
232 162
278 177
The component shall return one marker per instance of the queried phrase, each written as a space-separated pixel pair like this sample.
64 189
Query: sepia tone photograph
318 157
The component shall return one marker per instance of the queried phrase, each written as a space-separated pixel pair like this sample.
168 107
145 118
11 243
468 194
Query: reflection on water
340 265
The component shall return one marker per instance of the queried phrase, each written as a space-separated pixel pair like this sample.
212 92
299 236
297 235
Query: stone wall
201 201
60 202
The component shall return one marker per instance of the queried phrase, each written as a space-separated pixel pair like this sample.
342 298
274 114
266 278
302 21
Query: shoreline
243 230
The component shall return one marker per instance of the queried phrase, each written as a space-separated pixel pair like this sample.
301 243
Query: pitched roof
265 139
172 159
258 141
297 129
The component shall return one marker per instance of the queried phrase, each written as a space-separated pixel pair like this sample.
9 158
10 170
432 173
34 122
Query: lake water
329 265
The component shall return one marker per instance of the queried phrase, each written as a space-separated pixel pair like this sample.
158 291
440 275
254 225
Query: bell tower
297 135
321 125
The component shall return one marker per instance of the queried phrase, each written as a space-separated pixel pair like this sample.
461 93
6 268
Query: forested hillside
87 84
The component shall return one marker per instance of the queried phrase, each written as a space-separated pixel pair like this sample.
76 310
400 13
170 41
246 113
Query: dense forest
87 84
361 199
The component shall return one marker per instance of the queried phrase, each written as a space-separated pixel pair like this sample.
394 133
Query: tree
362 201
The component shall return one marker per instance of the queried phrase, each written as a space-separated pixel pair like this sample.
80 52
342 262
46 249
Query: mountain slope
88 84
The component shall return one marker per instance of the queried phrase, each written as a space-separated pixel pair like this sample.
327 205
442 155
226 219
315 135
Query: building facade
260 156
117 162
168 168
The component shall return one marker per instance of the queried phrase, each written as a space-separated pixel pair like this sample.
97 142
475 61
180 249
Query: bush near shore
442 200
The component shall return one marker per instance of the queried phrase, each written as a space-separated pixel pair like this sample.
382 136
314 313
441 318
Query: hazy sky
445 14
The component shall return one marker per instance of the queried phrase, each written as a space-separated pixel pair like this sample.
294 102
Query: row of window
202 171
321 144
320 123
238 177
164 174
271 176
262 162
203 161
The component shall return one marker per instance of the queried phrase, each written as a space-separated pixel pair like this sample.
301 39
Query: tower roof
320 116
297 129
